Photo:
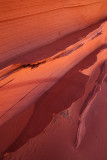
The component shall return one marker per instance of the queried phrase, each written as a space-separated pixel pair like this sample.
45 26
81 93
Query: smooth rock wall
27 25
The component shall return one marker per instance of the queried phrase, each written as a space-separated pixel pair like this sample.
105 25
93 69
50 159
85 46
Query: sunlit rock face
26 25
53 80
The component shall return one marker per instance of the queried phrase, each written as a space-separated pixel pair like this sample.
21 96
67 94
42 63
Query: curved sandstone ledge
86 107
23 87
51 49
98 32
33 136
26 26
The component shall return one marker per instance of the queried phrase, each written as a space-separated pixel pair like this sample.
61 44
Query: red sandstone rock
25 26
53 106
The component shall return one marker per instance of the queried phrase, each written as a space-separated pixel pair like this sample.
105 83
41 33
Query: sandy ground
66 121
60 128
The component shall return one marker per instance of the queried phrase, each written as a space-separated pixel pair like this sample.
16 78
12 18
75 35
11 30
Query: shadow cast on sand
60 97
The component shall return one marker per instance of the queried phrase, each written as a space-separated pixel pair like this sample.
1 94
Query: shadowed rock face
53 103
25 26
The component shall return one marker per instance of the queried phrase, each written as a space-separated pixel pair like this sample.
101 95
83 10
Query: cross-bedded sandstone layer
53 80
55 108
28 25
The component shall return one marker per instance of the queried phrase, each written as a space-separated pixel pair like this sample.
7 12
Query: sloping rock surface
27 25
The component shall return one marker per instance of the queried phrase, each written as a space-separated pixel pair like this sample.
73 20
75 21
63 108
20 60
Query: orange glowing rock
53 99
25 26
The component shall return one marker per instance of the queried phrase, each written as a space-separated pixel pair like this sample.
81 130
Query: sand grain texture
53 102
